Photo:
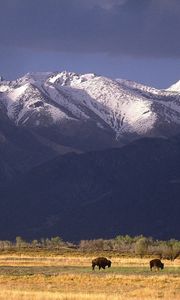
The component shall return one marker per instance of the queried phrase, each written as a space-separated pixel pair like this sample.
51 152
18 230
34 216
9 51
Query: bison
101 262
156 263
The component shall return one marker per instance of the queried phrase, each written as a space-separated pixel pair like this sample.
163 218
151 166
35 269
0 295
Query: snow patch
17 92
175 87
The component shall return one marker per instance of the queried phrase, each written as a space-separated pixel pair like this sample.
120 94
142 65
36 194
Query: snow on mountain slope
126 107
24 101
175 87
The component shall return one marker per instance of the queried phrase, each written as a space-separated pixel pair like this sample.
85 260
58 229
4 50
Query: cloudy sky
132 39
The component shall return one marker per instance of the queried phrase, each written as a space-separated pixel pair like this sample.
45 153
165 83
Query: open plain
46 276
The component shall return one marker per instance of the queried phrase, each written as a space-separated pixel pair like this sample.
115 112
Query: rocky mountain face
88 112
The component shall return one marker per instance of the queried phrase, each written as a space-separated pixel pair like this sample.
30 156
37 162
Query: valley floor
24 277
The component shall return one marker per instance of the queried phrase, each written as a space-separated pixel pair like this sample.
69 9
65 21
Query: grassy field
69 276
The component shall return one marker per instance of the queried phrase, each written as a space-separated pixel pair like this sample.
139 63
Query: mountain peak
175 87
68 78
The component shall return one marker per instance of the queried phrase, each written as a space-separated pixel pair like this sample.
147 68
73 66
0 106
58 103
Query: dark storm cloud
133 27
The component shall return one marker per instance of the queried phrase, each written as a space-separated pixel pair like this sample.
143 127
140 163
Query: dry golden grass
16 295
70 277
61 260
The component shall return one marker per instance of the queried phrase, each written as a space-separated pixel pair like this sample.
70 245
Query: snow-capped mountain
43 115
81 106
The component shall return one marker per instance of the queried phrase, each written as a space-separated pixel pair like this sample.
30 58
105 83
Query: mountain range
88 112
85 156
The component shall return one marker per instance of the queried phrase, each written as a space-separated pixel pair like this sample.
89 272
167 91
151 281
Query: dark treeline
138 245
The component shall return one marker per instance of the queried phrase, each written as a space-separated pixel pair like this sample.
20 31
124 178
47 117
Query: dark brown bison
101 262
156 263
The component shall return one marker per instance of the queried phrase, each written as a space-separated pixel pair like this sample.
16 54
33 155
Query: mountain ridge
129 190
119 109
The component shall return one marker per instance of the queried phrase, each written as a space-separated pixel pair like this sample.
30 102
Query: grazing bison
156 263
101 262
